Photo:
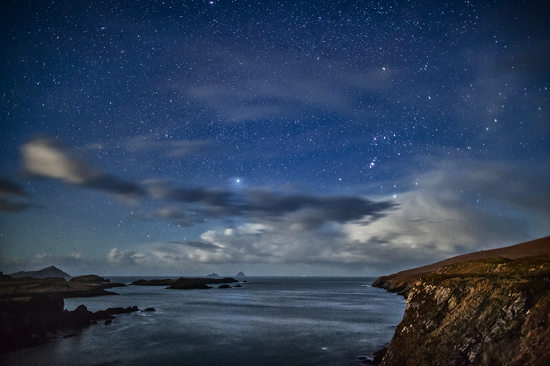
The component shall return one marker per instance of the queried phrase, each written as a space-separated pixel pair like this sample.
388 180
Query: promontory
485 308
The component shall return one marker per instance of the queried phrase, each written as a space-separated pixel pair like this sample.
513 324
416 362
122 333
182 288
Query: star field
343 138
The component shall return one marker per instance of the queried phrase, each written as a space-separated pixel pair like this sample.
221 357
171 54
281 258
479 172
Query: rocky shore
32 309
29 321
493 310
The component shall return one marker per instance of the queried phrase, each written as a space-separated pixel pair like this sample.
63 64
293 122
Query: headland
484 308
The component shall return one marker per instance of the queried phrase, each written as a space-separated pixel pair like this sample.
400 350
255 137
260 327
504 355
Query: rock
224 286
185 283
108 321
121 310
149 309
27 321
237 286
89 279
468 313
69 335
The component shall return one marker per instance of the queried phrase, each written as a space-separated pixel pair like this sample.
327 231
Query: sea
267 321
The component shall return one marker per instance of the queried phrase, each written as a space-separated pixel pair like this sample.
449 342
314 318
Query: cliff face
484 312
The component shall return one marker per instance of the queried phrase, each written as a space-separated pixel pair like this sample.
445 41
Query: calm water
269 321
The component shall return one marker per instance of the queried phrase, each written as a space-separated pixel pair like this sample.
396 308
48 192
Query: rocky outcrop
27 321
185 283
493 311
96 280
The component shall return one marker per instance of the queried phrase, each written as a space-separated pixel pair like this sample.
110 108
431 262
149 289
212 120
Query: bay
268 321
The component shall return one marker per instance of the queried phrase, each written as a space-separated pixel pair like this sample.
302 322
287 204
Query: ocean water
269 321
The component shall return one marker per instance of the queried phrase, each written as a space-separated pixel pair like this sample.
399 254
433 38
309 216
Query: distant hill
51 271
240 274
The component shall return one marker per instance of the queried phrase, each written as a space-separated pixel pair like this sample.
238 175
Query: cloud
13 207
171 148
188 206
302 211
46 157
309 212
13 198
455 208
276 88
196 244
459 208
7 187
123 257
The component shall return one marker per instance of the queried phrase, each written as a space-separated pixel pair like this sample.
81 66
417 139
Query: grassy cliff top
520 259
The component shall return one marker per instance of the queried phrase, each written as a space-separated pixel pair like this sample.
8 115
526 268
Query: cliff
489 311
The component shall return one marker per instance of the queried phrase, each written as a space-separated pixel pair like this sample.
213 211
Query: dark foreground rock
28 321
493 311
185 283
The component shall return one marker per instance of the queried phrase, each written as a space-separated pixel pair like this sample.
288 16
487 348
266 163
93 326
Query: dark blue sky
317 138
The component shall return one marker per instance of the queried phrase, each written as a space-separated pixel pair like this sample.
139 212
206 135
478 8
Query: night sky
273 138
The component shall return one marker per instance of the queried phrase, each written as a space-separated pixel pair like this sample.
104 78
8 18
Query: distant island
484 308
51 271
185 283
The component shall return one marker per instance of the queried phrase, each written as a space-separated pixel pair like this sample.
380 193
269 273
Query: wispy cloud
46 157
170 148
13 197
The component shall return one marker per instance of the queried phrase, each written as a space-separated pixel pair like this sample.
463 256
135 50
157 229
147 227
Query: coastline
485 308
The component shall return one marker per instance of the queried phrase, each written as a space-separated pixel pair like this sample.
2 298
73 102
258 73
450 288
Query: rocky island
484 308
185 283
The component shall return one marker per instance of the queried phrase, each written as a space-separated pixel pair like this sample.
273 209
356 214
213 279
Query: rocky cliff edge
492 311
